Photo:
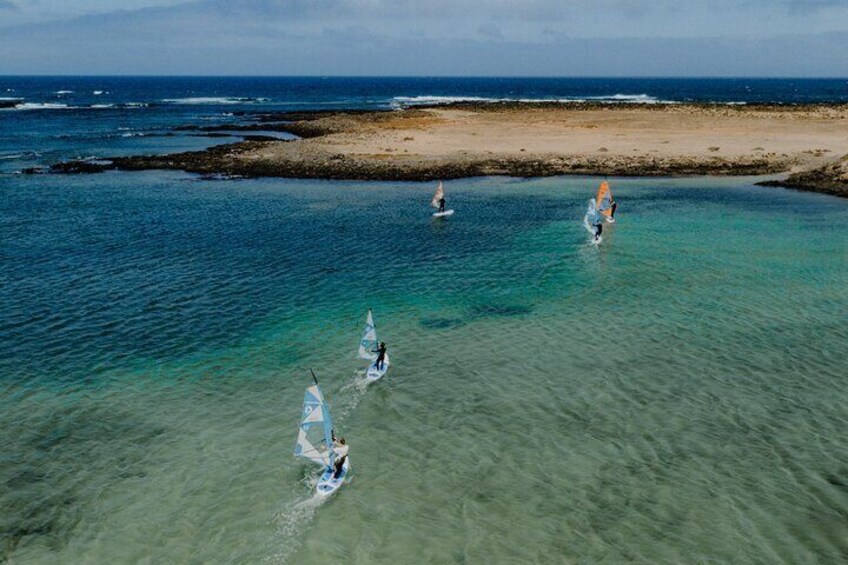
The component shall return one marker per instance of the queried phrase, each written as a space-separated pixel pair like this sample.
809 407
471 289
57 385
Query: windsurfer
613 206
340 449
381 355
441 204
599 227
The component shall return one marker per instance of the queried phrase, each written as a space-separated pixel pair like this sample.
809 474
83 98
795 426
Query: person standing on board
613 206
381 355
441 204
599 227
340 449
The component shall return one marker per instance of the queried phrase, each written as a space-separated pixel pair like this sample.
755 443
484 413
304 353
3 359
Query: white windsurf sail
315 433
592 211
440 193
368 343
591 218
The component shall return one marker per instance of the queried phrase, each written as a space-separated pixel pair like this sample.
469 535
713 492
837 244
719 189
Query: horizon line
327 76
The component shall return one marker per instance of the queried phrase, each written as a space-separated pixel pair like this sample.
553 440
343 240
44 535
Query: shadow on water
499 310
475 313
441 323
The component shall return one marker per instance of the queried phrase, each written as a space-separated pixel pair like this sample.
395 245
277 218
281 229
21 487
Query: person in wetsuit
599 227
381 355
340 449
612 209
441 204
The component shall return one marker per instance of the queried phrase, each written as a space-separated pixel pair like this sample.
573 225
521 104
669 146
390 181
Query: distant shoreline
528 139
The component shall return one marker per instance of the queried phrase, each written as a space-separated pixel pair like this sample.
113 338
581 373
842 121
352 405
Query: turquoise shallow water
674 396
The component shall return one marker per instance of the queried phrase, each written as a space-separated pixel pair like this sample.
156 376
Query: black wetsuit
598 229
337 472
381 355
441 205
612 212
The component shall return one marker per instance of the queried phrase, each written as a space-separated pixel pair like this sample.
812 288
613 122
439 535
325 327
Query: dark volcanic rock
34 170
76 167
829 179
238 159
264 155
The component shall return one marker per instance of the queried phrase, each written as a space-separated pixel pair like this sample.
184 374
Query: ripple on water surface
672 396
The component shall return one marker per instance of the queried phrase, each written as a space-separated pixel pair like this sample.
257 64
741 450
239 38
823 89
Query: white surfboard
442 214
328 484
374 373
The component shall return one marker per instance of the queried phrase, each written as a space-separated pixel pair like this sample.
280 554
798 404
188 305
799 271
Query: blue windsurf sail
315 433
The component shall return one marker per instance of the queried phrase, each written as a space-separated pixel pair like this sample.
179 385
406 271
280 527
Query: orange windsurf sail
604 199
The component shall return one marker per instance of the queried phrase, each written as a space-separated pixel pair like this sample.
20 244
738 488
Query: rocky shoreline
381 145
829 179
233 160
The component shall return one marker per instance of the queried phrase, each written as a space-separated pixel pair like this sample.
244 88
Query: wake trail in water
291 522
351 393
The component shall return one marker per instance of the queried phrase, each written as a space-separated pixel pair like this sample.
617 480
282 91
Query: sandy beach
526 139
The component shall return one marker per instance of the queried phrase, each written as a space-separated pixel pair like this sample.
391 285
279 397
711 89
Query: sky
797 38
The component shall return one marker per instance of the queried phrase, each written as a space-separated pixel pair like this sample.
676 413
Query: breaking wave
401 101
200 100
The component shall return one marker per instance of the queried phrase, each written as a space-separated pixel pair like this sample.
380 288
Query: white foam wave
214 100
98 92
40 106
96 161
136 105
442 99
399 101
64 92
632 98
57 106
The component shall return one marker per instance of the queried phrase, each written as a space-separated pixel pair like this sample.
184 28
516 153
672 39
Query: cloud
406 37
804 7
490 30
9 5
